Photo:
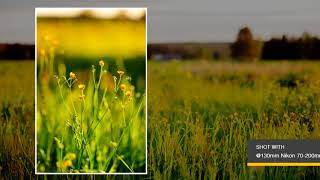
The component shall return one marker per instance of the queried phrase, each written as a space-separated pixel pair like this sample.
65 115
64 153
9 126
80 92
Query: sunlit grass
83 127
90 119
195 130
207 111
17 119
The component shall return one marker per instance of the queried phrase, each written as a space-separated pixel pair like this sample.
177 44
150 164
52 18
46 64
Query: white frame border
146 90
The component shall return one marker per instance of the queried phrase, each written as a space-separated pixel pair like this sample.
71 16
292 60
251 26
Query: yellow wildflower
81 86
101 63
123 87
120 72
128 93
67 163
72 75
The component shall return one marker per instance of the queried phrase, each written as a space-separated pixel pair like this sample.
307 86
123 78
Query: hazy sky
181 20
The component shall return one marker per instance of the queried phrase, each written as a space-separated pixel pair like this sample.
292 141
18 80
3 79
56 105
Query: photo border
146 90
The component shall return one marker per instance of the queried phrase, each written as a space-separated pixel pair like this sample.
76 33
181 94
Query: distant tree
307 42
16 51
305 46
245 47
216 55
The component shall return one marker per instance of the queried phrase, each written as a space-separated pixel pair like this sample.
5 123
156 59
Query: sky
182 20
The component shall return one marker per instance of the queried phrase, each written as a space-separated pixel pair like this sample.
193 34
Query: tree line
246 47
17 52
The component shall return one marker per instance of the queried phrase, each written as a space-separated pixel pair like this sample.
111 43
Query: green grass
201 114
207 111
17 119
90 117
90 125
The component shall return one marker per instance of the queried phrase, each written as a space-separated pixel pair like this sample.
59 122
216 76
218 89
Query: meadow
208 111
201 114
17 119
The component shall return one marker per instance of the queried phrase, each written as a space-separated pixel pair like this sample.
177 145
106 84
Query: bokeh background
78 38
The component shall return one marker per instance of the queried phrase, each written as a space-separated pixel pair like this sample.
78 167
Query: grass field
201 114
17 119
208 111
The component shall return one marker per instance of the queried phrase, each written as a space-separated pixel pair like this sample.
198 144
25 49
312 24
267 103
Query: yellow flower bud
128 93
67 163
120 72
101 63
81 86
72 75
123 87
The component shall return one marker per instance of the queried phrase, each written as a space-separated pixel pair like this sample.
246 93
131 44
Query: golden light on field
116 32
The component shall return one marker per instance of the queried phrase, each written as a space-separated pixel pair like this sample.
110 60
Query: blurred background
78 38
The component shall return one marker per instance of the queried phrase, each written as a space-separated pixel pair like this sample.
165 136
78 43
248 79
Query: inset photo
91 91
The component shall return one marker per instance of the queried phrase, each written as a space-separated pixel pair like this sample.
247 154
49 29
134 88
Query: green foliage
134 67
83 126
